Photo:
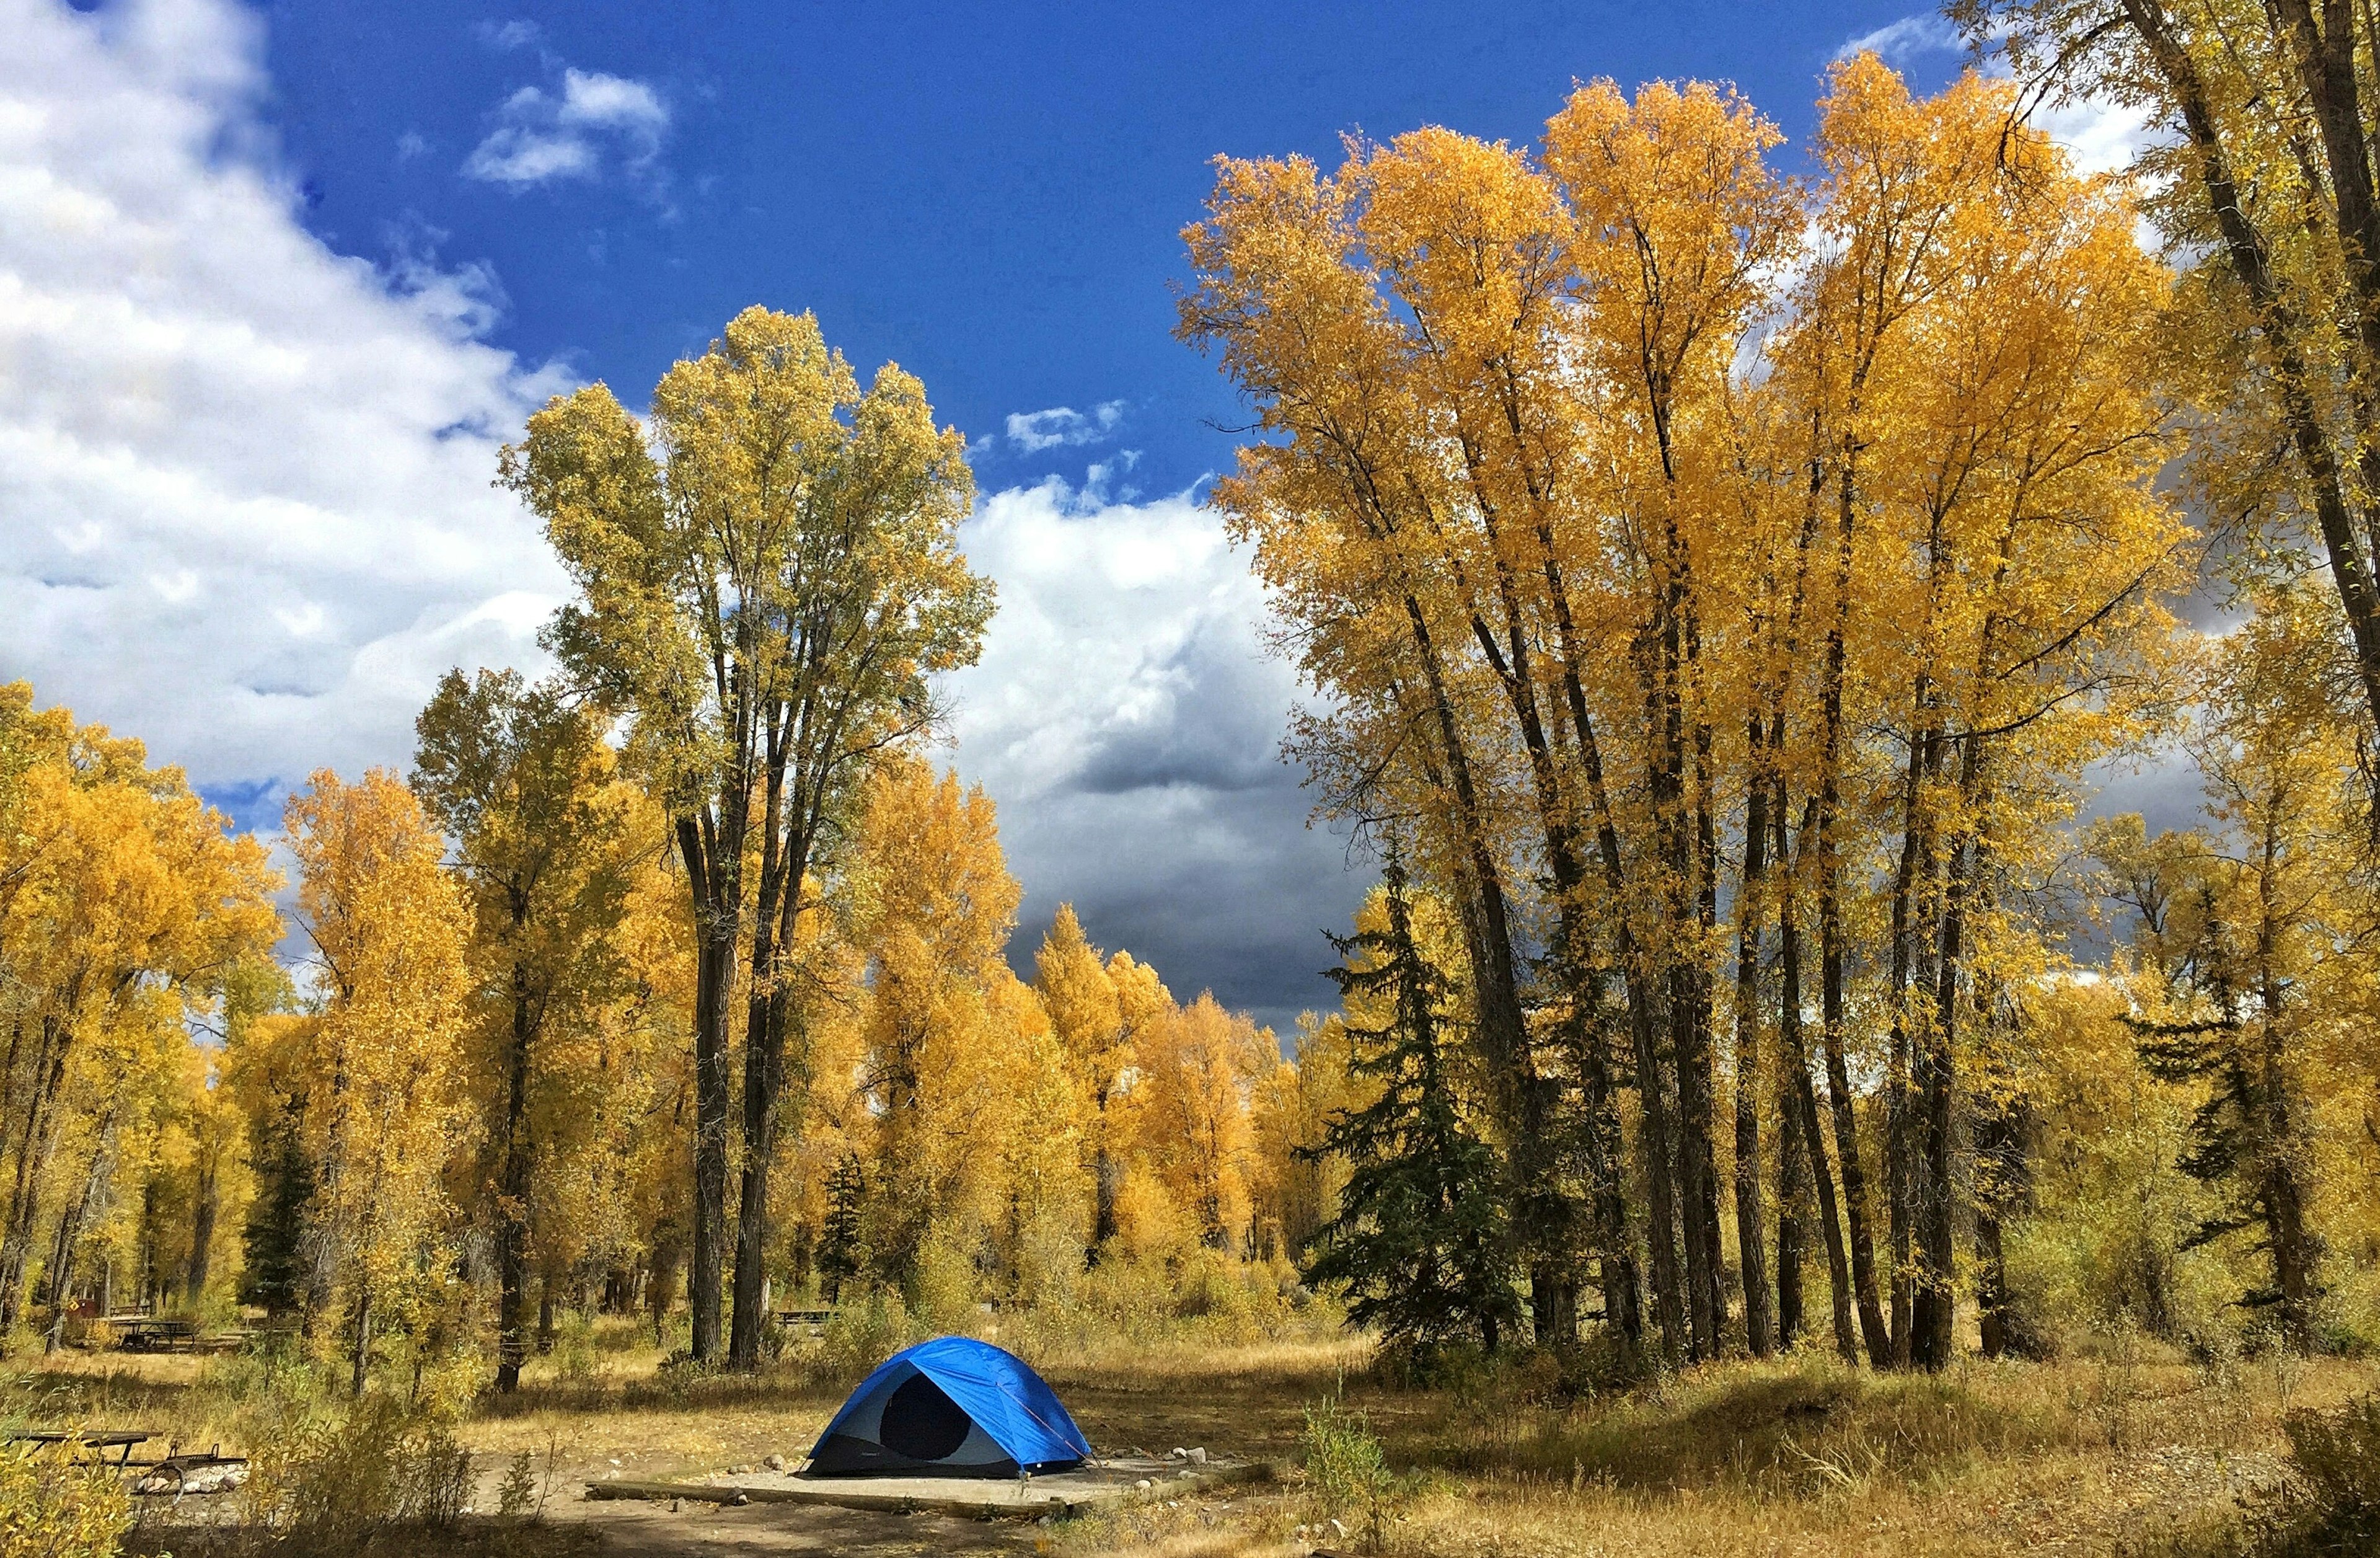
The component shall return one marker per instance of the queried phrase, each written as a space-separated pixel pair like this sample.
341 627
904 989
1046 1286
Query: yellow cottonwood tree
1088 1021
124 905
1652 565
1190 1114
769 577
378 1057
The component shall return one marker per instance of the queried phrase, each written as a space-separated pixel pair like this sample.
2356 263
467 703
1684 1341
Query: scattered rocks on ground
775 1463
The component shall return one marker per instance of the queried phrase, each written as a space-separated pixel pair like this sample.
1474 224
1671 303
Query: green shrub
52 1507
858 1336
1347 1475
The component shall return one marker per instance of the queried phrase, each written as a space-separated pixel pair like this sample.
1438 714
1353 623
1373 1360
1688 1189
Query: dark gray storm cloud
1128 722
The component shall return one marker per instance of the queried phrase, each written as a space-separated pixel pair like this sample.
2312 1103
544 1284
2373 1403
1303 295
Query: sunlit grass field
2133 1450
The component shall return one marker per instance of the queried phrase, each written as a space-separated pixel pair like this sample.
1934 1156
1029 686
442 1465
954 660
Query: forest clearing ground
2133 1453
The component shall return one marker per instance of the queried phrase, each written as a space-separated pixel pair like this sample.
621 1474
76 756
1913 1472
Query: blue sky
989 194
275 282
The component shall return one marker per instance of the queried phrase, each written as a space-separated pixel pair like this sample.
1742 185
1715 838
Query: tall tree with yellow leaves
1576 463
954 1047
548 844
379 1059
1191 1114
1088 1021
769 577
124 905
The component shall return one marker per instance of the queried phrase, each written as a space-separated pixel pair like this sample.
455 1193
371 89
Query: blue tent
952 1407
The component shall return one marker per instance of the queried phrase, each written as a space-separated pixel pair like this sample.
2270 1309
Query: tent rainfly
952 1407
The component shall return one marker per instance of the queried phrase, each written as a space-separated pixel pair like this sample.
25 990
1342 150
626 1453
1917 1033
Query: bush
50 1507
1347 1473
336 1482
2332 1501
859 1337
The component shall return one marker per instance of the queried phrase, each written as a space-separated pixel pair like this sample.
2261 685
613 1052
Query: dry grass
2138 1452
2128 1454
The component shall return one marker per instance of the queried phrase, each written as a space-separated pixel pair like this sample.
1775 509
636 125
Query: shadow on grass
470 1538
1782 1430
108 1396
667 1392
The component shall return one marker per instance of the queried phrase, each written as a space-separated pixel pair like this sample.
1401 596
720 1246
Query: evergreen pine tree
274 1276
846 1191
2247 1132
1421 1240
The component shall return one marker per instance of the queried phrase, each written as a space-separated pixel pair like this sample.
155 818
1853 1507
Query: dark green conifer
1421 1241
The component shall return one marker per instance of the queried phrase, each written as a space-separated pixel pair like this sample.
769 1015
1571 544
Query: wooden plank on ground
899 1503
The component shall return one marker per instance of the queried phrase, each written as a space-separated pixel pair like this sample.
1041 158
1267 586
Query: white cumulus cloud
244 480
539 137
246 514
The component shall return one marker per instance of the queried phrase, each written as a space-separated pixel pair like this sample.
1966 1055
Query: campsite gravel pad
1085 1488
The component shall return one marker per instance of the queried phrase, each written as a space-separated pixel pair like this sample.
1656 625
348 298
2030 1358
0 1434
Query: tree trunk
1792 1191
717 916
1623 1302
2281 1184
764 1071
205 1207
513 1182
1795 1061
2000 1159
1937 1309
1846 1122
1749 1234
75 1218
359 1361
35 1148
1911 877
1107 1179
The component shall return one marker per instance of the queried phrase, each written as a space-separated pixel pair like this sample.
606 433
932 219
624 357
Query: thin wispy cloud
1898 42
508 35
1062 426
596 121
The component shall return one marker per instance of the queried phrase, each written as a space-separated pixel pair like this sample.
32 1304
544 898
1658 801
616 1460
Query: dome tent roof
951 1407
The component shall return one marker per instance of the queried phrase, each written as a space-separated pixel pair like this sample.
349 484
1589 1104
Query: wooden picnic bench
98 1444
156 1335
814 1318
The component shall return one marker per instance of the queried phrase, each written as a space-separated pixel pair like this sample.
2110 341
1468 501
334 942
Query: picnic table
144 1335
121 1440
815 1318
